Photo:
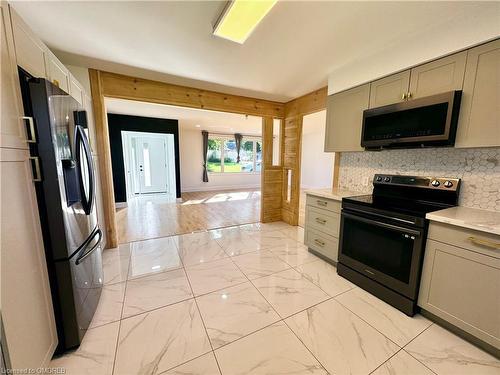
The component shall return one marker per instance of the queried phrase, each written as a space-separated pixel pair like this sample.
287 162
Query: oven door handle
415 233
383 216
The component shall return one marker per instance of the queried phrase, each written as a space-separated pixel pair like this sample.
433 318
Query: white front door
151 164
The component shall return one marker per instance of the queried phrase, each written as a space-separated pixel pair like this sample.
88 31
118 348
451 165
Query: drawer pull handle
322 203
320 243
480 241
320 221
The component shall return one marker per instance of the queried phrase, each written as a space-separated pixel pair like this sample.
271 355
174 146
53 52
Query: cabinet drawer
462 287
323 220
323 203
480 242
322 243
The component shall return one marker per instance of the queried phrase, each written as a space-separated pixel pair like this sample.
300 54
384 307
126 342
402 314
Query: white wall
317 166
191 155
450 35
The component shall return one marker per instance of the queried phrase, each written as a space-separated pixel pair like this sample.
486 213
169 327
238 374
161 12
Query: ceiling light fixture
240 18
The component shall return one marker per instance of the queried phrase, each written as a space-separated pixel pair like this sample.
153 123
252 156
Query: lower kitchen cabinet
462 285
27 313
322 224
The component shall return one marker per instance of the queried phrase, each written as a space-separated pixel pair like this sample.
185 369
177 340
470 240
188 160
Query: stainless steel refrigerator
65 185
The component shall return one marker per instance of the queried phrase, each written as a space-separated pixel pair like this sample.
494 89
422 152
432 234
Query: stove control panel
441 183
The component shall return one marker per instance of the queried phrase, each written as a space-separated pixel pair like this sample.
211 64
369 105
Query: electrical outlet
368 180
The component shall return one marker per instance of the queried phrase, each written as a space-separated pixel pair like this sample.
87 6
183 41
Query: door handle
82 257
320 221
81 138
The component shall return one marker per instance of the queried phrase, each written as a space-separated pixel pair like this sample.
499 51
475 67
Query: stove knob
448 184
435 183
387 179
379 178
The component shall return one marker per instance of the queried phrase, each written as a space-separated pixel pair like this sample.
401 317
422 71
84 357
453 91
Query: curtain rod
232 134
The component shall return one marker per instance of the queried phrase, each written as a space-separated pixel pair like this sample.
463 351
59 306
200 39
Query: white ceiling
215 122
292 52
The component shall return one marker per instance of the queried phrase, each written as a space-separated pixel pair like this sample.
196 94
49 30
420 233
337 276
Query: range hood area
428 121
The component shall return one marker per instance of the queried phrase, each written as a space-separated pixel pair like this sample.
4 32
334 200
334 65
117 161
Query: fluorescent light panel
240 17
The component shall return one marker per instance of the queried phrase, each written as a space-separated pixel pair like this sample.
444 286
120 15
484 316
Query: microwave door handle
415 233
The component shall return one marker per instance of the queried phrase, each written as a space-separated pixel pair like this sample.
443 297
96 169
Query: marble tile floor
252 300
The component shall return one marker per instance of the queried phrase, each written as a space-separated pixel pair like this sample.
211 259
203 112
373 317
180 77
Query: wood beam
313 102
104 153
126 87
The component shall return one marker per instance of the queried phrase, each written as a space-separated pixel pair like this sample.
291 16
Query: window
222 156
214 155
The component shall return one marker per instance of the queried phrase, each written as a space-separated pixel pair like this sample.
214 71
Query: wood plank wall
295 111
291 164
271 177
106 84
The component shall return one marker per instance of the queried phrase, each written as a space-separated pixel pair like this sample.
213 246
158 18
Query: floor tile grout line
120 322
370 325
411 355
317 284
202 320
387 360
185 362
302 342
188 233
249 334
418 360
157 308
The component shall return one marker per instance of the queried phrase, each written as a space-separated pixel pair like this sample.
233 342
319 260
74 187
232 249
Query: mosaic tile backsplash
478 168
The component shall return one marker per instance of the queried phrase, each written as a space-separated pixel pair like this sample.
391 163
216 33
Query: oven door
382 250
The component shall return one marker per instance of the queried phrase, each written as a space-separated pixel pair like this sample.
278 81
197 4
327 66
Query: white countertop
335 194
472 218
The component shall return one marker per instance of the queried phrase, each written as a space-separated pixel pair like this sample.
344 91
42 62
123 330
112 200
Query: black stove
383 235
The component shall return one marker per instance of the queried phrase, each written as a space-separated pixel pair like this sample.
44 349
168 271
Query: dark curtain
204 133
238 138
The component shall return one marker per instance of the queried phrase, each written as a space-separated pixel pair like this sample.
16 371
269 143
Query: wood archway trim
106 84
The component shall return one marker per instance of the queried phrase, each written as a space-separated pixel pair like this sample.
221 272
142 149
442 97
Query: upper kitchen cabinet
12 133
344 119
438 76
389 90
30 51
479 120
58 74
76 90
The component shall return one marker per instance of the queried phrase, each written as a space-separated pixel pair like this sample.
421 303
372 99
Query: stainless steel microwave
425 122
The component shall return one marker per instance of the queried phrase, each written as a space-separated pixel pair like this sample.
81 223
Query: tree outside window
222 156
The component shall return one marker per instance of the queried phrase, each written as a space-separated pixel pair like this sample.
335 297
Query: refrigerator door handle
85 254
81 140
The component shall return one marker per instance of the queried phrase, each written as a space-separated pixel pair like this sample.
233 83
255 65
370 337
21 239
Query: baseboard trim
214 188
